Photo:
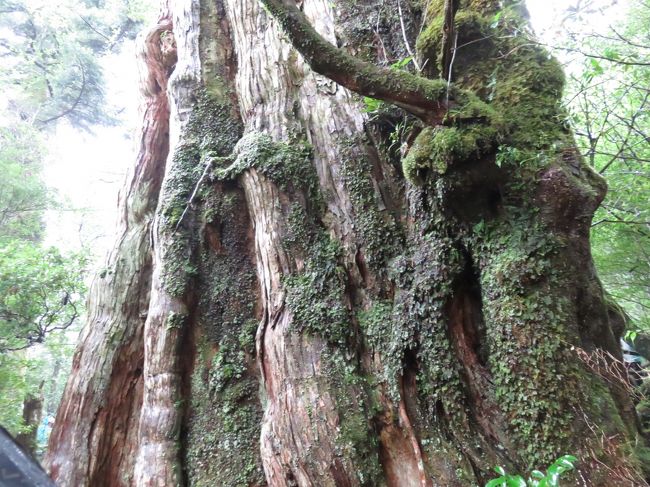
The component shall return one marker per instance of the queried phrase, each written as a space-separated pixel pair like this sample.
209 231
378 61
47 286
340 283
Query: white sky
88 170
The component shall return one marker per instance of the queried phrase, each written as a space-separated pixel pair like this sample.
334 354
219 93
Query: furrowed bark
158 461
296 446
94 440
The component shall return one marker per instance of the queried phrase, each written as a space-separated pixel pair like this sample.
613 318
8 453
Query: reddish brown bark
95 436
283 307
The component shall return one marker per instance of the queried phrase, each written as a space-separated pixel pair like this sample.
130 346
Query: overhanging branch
424 98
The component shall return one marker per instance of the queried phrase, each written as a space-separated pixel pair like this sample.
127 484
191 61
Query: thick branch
422 97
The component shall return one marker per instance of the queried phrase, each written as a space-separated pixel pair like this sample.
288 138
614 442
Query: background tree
291 284
53 52
51 73
610 105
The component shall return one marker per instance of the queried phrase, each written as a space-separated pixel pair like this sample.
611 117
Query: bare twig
406 41
194 193
75 104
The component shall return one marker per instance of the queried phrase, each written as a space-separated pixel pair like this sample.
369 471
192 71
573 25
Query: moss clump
375 324
470 25
357 439
437 148
176 320
224 418
428 43
316 297
225 414
526 312
286 164
516 103
527 91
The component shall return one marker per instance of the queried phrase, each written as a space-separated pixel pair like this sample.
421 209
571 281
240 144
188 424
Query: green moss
286 164
523 91
470 25
356 440
316 297
223 429
176 320
375 324
211 129
428 43
435 149
210 251
246 336
376 231
225 415
526 310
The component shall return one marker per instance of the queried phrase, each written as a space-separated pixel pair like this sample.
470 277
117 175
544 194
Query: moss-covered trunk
315 290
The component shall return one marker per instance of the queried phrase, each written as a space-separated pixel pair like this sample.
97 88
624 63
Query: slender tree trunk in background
32 413
303 293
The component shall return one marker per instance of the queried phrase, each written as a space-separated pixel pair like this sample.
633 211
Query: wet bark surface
303 293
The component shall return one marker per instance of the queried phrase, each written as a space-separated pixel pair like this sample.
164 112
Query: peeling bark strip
345 301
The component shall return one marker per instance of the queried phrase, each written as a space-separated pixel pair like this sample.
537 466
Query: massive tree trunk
307 293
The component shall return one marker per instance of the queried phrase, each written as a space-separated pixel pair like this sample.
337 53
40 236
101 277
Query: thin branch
622 222
626 40
74 106
91 27
194 193
406 41
451 64
598 56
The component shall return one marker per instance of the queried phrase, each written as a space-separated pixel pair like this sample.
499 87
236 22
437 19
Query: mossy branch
424 98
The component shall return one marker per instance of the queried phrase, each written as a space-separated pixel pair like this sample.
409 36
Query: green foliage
537 478
23 194
53 52
40 374
41 291
50 53
372 105
610 110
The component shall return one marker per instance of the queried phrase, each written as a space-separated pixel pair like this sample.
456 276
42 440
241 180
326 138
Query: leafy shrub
537 478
